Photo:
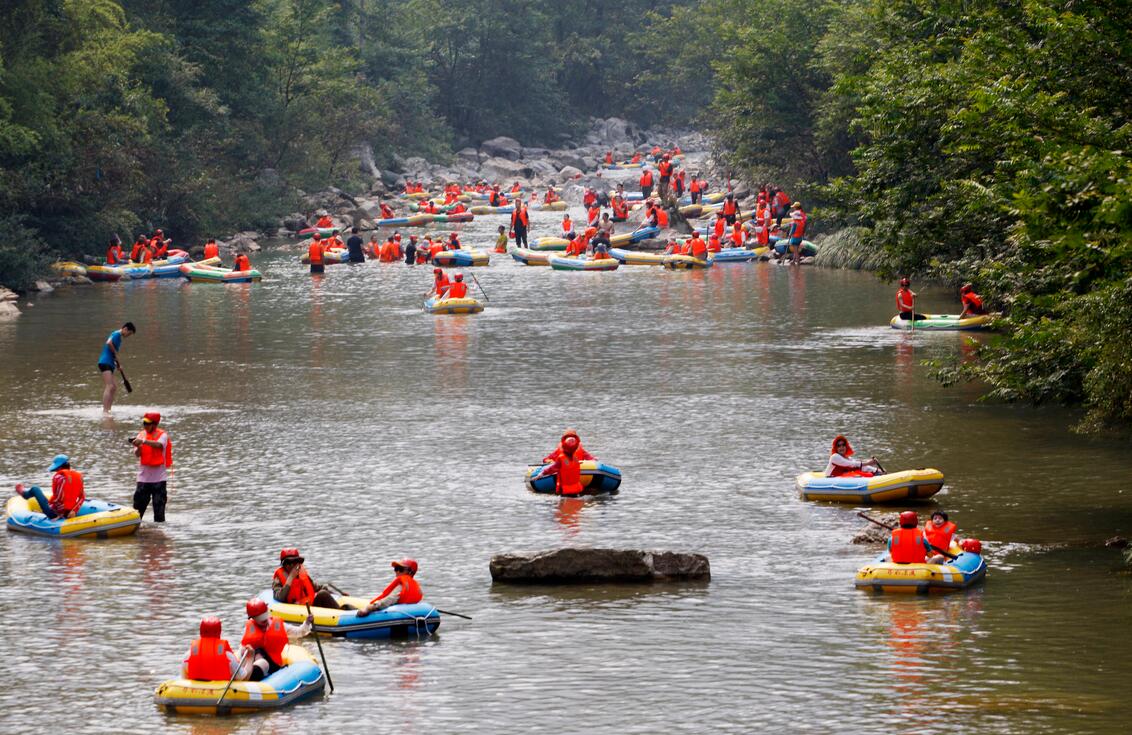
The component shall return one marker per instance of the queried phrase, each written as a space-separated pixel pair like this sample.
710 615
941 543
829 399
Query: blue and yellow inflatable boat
887 488
466 305
463 258
597 477
960 573
397 621
298 679
95 519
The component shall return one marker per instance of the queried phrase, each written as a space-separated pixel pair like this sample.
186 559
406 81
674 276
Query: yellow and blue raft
95 519
891 487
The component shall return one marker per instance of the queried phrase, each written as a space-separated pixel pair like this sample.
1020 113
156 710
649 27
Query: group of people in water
971 302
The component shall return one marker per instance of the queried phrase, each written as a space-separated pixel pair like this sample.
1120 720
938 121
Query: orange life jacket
113 254
410 590
152 456
160 248
569 480
136 252
620 208
781 199
147 254
609 157
314 253
325 222
729 207
593 214
520 215
73 494
972 303
457 290
940 537
798 225
636 158
441 283
515 188
698 248
907 546
719 226
665 169
208 660
302 588
567 226
386 212
905 301
211 250
646 178
694 187
737 236
270 639
661 217
242 263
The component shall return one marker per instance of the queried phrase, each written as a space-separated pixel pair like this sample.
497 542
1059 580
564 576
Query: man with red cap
566 465
907 544
210 657
155 456
439 283
265 636
292 584
410 590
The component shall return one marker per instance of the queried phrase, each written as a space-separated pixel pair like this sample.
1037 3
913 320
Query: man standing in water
354 246
108 362
520 221
155 456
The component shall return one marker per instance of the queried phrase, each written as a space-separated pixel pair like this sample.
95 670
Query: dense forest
965 140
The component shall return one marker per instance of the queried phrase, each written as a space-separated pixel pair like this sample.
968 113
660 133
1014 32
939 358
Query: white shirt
837 460
159 473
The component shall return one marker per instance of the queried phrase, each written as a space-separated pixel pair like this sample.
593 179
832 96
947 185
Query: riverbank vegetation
970 141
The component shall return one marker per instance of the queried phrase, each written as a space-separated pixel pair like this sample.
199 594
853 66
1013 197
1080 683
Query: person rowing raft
842 464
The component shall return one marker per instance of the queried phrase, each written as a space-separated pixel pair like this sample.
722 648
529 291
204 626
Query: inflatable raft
739 255
453 218
95 519
596 478
463 258
549 243
559 206
323 231
808 248
942 323
530 257
136 271
485 209
685 263
202 273
888 488
561 263
299 679
955 574
635 257
453 306
68 268
330 257
392 222
417 620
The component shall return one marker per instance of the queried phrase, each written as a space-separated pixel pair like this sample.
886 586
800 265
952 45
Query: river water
332 414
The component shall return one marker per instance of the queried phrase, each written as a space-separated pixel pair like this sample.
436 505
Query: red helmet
973 545
210 627
410 564
459 276
570 443
904 282
908 519
966 288
437 271
256 607
285 554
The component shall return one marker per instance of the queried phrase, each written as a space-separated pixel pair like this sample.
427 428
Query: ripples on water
334 415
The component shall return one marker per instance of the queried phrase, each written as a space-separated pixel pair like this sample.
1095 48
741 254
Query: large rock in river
565 566
503 147
503 170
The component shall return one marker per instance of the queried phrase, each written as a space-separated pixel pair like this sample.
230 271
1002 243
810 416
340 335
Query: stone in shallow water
565 566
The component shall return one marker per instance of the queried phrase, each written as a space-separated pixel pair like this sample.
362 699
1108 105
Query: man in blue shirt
108 362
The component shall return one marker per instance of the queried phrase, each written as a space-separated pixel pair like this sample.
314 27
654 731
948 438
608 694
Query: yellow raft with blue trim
887 488
966 569
95 519
299 678
466 305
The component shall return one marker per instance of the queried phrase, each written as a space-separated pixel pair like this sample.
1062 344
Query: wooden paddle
125 380
318 642
446 612
913 319
891 528
473 275
231 679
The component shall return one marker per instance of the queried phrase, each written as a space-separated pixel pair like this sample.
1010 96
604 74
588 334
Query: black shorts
104 368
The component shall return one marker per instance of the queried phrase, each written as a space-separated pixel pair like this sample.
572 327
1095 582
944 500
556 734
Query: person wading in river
520 221
108 362
155 457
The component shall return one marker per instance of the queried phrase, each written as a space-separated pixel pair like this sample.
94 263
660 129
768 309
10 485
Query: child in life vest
404 581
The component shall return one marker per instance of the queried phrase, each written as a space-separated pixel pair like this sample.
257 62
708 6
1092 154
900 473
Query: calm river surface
333 415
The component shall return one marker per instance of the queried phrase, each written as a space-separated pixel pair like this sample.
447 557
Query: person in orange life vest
939 532
454 241
620 208
697 248
650 219
373 247
520 222
661 216
842 464
577 246
678 185
551 196
664 168
646 182
713 244
265 636
738 235
457 289
242 263
136 249
781 203
718 225
579 452
906 301
439 282
67 495
435 246
762 224
695 190
315 252
386 211
147 254
567 225
730 210
796 232
589 198
458 208
494 197
160 245
449 197
636 158
566 468
210 657
292 584
388 250
155 457
211 249
409 590
593 214
114 254
501 240
609 158
907 544
972 303
515 188
656 152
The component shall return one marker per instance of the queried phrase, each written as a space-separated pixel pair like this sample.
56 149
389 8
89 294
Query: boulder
874 534
295 222
568 158
42 287
503 170
502 147
569 173
8 310
6 294
529 153
565 566
543 168
469 155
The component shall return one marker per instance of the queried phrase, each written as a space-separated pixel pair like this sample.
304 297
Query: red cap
409 564
972 545
256 607
210 627
151 418
292 553
909 519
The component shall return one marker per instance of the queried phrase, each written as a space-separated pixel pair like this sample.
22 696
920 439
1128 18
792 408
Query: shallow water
332 414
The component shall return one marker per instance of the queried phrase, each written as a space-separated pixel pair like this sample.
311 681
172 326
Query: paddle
125 381
233 677
473 275
318 642
913 319
890 528
878 465
446 612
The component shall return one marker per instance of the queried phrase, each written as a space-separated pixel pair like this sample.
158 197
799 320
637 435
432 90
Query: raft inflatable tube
463 258
392 222
104 273
201 273
685 263
739 255
95 519
417 620
530 257
597 477
465 305
298 679
452 218
634 257
561 263
942 323
642 234
808 248
418 195
954 574
171 268
713 198
420 220
330 257
549 243
888 488
68 268
485 209
559 206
